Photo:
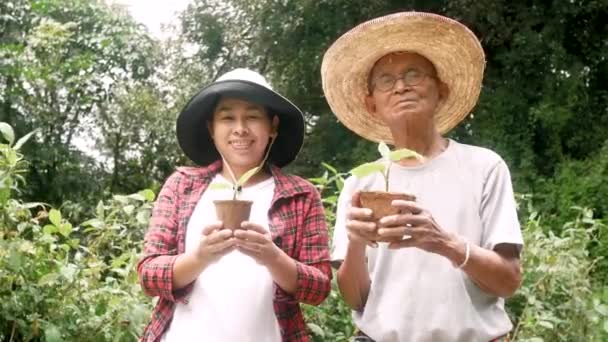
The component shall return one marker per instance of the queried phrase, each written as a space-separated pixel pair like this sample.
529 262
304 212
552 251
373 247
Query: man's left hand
416 223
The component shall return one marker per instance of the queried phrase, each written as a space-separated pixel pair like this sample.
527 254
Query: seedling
384 164
238 185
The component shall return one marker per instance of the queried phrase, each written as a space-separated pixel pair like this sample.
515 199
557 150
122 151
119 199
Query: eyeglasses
411 77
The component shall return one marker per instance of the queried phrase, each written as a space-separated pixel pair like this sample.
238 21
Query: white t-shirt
232 299
419 296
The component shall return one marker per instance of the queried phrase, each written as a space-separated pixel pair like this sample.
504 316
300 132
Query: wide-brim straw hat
192 133
453 49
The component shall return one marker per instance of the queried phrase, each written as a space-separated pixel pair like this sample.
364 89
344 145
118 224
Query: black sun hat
192 133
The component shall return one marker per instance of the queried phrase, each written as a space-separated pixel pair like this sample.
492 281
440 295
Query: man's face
404 86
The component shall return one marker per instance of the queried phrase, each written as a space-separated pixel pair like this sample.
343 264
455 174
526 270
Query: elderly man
406 79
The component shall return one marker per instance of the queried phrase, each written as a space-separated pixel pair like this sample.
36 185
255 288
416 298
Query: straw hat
192 133
452 48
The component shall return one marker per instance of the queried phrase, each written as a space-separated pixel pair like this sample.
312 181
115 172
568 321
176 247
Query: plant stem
13 331
386 176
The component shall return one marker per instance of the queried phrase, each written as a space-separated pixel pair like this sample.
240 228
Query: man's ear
370 104
275 127
444 92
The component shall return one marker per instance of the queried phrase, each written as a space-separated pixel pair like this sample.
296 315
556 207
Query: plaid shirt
297 226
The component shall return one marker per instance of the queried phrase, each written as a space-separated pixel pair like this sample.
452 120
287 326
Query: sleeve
155 268
312 262
498 210
340 238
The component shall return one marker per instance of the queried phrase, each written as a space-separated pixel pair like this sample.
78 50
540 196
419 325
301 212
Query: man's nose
400 85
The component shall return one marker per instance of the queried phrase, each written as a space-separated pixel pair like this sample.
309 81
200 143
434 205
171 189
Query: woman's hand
256 242
214 243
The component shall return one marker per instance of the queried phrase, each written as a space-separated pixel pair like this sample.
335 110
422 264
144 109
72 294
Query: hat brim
193 136
452 48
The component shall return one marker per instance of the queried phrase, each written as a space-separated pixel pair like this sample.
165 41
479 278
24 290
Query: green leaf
52 334
147 194
95 223
48 279
7 132
11 157
602 309
121 199
606 326
245 177
68 272
219 186
384 150
65 229
329 167
100 210
367 169
137 197
316 330
23 140
143 217
128 209
49 229
546 324
55 217
404 153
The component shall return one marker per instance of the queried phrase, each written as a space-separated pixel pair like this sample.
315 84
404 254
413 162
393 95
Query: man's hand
415 227
360 225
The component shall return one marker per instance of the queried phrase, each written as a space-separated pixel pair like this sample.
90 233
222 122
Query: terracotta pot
232 212
380 204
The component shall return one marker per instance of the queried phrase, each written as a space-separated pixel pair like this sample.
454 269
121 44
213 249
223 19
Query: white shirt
419 296
232 299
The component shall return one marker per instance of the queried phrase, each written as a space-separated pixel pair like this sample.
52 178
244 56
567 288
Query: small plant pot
380 204
232 212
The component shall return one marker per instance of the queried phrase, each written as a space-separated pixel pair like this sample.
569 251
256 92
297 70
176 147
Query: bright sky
153 13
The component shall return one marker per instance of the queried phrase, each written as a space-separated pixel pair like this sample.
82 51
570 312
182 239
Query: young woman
220 284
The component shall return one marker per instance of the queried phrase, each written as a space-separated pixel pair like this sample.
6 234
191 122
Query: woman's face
241 130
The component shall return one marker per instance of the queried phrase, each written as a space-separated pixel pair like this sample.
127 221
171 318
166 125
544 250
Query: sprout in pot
234 211
380 201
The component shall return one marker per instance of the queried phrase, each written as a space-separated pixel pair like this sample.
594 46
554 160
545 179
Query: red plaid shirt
297 226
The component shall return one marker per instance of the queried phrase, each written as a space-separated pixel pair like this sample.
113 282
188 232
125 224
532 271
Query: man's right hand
360 225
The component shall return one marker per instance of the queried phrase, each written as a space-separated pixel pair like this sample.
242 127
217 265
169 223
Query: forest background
88 100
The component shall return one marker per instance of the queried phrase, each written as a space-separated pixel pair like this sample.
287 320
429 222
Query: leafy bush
61 281
558 300
65 282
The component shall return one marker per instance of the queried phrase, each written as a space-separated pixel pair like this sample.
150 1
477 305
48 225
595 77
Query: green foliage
65 282
62 61
558 300
62 281
331 320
